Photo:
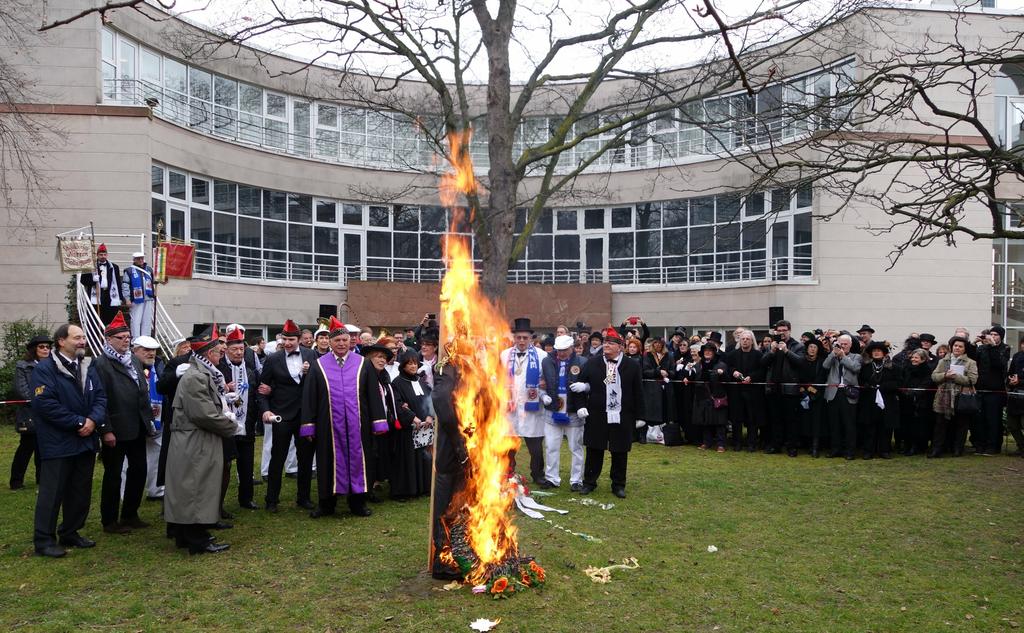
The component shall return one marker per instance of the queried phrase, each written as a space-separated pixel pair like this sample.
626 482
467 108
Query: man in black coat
615 406
280 399
104 286
784 395
167 386
993 357
69 407
747 364
450 459
130 417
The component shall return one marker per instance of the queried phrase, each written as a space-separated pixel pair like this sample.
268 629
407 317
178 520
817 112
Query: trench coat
195 461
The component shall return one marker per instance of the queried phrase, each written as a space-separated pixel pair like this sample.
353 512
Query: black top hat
716 337
873 345
928 338
866 328
38 339
595 335
199 328
430 335
522 324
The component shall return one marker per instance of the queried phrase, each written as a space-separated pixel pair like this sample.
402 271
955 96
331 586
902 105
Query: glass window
648 216
326 115
249 232
702 239
177 185
177 224
200 84
406 246
620 245
780 200
622 218
150 67
567 247
174 75
201 227
674 213
433 219
126 63
544 222
702 210
225 121
379 216
566 220
223 196
430 249
352 214
325 240
648 243
326 211
674 241
728 208
300 238
275 205
249 201
593 219
200 191
755 205
540 247
804 195
754 235
225 92
158 213
727 237
157 178
275 235
300 208
802 228
520 221
378 244
108 44
250 99
407 218
224 228
300 127
277 105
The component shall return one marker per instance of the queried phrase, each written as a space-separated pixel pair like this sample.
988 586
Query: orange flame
474 330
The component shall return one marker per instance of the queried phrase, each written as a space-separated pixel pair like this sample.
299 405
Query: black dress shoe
306 505
292 475
362 511
885 455
791 452
850 457
77 540
771 450
586 489
372 497
116 528
869 455
272 507
249 505
318 512
17 485
209 548
134 523
51 551
576 487
834 454
227 516
619 492
547 485
222 525
257 482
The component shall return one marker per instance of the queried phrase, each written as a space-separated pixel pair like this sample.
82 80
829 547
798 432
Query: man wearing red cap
130 418
103 285
195 462
281 383
615 406
242 379
342 410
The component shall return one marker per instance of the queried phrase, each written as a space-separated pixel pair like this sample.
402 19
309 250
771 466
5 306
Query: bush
13 336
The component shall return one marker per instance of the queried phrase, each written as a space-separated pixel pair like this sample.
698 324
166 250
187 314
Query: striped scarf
125 359
218 378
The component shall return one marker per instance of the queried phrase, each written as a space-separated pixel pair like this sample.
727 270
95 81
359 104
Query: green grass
804 545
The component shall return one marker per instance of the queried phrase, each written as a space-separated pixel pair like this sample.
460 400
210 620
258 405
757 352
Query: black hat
548 340
927 338
430 335
205 339
816 342
998 329
709 345
198 329
818 331
866 328
378 346
522 324
873 345
595 335
680 330
716 337
38 339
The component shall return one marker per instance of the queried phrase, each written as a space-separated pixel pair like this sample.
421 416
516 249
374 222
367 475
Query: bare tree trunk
497 221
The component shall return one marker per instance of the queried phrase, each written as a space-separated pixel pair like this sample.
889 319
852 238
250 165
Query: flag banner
76 254
177 260
160 264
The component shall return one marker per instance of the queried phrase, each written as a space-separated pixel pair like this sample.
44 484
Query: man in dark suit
69 408
104 285
130 418
280 398
615 406
242 381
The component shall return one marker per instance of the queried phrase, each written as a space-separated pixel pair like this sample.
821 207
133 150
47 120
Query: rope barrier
816 384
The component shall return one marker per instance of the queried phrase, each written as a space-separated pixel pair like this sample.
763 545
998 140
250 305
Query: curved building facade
295 199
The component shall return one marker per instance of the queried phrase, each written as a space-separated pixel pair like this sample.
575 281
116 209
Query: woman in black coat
658 366
710 374
917 420
35 350
877 375
810 372
410 446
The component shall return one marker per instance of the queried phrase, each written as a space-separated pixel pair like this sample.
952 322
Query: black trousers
192 535
135 480
594 462
842 421
355 502
26 451
535 445
958 425
244 467
785 420
714 435
283 433
64 482
990 422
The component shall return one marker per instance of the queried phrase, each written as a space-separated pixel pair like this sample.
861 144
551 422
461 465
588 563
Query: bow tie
296 353
611 361
520 354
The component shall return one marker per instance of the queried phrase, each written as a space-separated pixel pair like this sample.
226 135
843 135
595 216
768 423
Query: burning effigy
473 537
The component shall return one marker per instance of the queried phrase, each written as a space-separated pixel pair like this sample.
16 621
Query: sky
536 22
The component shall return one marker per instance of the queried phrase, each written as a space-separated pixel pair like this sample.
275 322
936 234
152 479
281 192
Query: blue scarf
532 374
561 416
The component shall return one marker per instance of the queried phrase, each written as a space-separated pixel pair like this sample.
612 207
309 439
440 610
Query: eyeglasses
43 346
123 337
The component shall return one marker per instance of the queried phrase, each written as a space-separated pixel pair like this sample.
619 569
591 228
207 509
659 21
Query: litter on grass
591 502
604 574
712 549
483 624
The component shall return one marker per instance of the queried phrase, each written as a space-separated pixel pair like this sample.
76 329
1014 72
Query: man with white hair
748 366
841 396
144 348
560 371
137 287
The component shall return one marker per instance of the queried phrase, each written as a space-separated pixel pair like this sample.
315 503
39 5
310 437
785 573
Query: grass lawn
803 545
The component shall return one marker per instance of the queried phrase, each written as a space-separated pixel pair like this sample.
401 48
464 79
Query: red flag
180 258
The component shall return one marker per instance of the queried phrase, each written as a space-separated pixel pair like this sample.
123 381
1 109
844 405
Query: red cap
611 334
335 327
290 329
236 335
117 325
207 339
102 249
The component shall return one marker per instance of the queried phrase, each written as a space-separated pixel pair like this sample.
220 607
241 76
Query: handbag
967 403
673 434
717 403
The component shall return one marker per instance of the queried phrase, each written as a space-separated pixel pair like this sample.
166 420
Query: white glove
580 387
181 369
545 398
680 367
640 424
582 413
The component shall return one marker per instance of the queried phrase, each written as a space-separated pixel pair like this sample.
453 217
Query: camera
777 338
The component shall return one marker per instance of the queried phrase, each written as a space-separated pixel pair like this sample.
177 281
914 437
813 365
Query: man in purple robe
340 413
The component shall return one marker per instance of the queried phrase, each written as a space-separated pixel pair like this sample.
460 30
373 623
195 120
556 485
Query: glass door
352 249
595 257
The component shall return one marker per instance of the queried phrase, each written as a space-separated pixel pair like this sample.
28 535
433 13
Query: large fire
474 330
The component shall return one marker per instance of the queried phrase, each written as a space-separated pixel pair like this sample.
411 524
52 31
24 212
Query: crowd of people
355 412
